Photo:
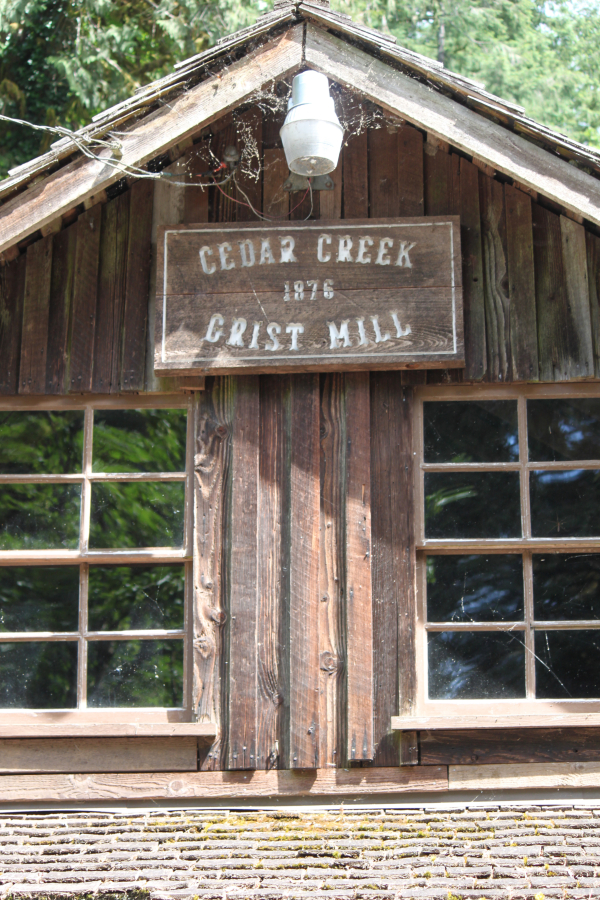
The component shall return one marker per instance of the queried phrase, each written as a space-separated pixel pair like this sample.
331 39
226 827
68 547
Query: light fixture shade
311 134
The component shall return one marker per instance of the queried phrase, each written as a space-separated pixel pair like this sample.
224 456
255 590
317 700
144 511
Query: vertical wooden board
273 585
359 611
222 206
332 572
495 280
36 312
331 201
249 175
304 573
276 201
12 289
593 265
137 287
580 362
304 206
85 290
61 300
521 286
410 172
242 540
437 180
383 172
195 199
355 170
472 255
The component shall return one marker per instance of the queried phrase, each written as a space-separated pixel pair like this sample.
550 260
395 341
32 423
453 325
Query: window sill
466 722
107 730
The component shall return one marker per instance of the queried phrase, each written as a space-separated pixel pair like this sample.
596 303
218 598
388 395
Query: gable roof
295 35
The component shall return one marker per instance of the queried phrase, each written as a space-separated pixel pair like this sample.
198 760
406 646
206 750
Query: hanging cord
265 216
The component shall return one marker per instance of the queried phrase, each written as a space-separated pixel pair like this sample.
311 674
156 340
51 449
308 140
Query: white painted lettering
286 290
403 257
313 285
298 290
287 249
363 243
379 337
255 330
206 268
383 258
247 253
322 256
400 331
214 330
266 256
337 335
273 329
226 263
344 248
328 289
294 330
237 330
362 333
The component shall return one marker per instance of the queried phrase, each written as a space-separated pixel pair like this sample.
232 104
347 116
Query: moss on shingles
135 894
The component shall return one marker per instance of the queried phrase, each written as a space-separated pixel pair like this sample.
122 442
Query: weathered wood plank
249 128
359 609
36 311
135 314
521 286
510 746
411 187
85 291
593 262
196 198
330 202
276 201
473 287
213 785
442 186
528 776
98 755
355 170
304 573
242 574
12 289
61 301
581 357
384 200
495 281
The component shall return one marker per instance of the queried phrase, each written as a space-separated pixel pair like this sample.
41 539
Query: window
94 560
508 545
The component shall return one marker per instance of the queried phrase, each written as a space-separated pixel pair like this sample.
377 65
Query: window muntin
509 597
94 587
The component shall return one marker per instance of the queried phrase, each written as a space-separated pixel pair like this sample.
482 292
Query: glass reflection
566 664
139 514
565 504
135 597
563 429
476 665
38 443
474 588
472 505
471 431
139 440
135 673
38 675
39 598
39 516
566 587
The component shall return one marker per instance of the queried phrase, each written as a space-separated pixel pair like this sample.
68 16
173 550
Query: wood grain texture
226 785
99 755
411 199
593 263
61 303
510 746
472 263
135 313
442 182
521 286
304 572
249 127
276 201
358 599
528 776
85 292
12 289
22 728
196 199
495 280
36 311
330 202
384 201
355 172
579 325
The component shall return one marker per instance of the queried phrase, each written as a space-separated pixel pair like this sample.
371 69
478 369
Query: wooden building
337 580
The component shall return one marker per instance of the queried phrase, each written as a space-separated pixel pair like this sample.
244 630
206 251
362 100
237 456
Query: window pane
135 597
473 431
33 443
39 598
472 505
39 516
474 588
142 514
476 665
563 429
565 504
566 665
135 673
38 675
566 587
139 440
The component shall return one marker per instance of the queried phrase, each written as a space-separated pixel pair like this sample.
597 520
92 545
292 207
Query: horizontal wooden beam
22 729
470 132
469 723
222 785
98 755
525 775
153 135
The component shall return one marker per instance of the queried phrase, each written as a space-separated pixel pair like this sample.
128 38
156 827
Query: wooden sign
296 296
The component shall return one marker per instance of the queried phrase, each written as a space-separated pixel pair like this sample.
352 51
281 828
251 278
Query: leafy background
63 61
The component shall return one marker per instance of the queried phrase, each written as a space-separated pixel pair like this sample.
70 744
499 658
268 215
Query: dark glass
476 665
566 665
565 504
474 588
39 598
140 514
135 597
38 675
472 505
39 516
471 431
566 587
135 673
563 429
41 443
139 440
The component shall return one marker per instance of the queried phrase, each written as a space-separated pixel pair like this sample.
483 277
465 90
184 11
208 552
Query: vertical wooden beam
383 172
85 290
331 201
497 303
472 255
36 312
359 612
243 574
521 286
581 356
276 201
411 188
356 185
61 301
593 265
249 139
304 573
12 289
137 288
195 199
